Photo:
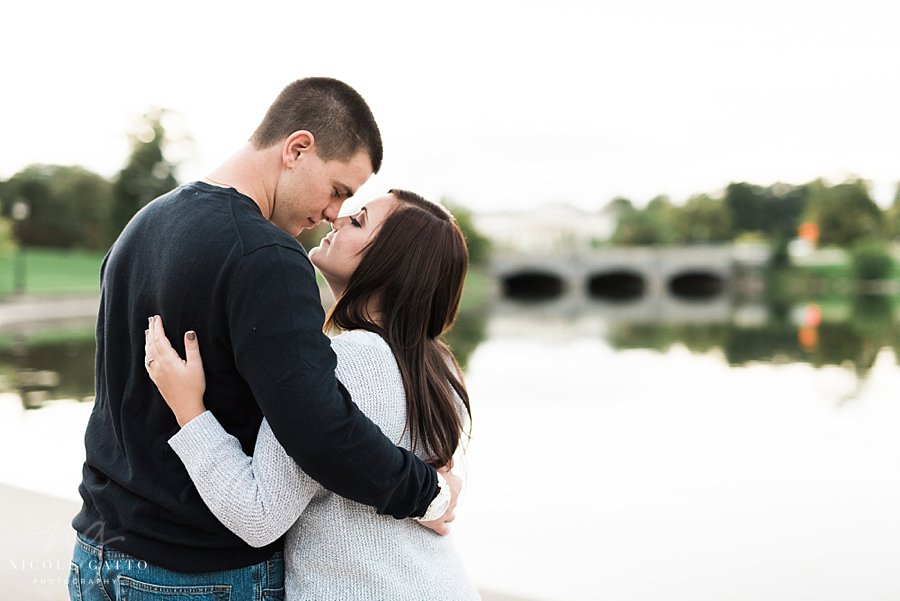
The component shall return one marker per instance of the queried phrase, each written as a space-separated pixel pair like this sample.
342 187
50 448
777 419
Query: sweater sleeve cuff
197 435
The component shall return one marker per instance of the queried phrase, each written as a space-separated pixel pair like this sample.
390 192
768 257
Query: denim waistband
98 549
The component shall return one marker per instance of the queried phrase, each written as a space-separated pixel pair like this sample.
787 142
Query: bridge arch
618 285
696 284
532 285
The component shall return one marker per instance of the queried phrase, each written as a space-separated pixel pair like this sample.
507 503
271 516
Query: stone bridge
627 274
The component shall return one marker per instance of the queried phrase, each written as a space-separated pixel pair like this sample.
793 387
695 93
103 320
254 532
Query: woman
396 269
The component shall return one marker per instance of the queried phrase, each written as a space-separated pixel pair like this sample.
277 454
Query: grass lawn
56 272
51 272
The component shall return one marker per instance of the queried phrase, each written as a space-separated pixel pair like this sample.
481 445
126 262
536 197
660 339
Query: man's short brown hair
332 111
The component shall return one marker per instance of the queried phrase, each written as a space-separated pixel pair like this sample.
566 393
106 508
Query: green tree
652 226
845 213
68 206
620 206
702 220
146 175
774 212
892 217
784 210
479 244
871 260
745 204
89 199
7 241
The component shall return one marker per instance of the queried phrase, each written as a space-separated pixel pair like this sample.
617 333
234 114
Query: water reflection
51 364
848 333
44 365
58 364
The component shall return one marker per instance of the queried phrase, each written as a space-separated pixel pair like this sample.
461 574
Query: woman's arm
258 498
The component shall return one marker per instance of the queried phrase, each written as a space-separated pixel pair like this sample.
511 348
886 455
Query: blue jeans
101 573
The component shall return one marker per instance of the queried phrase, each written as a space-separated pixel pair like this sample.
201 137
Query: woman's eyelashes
354 222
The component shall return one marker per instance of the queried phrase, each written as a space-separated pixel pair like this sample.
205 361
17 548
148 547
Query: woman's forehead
380 206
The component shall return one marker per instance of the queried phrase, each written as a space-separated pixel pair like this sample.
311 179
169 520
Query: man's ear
295 145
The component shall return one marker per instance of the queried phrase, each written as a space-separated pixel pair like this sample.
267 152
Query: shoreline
23 314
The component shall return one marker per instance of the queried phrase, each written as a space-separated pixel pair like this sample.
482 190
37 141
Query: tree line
60 206
841 215
68 206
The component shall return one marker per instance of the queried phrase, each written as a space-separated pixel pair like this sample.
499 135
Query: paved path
20 313
34 561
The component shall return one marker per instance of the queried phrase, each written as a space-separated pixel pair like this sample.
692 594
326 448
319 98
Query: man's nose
332 210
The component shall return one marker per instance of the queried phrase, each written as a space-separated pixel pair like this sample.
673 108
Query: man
219 257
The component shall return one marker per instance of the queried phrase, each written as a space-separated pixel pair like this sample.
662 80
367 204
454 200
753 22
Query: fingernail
192 335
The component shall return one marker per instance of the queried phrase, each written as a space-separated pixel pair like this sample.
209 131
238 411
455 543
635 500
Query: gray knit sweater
335 548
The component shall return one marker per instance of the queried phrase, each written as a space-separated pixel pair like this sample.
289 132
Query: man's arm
275 315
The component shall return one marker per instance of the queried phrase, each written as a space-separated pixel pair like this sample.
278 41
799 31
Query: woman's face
339 253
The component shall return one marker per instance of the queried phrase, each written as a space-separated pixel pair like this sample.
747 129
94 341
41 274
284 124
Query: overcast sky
498 105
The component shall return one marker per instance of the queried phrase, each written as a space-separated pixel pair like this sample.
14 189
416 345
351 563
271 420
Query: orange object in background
808 231
808 336
808 333
812 315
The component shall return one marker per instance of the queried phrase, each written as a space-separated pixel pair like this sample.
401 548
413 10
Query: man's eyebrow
348 192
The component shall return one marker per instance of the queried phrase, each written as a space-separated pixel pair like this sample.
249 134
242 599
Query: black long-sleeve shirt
205 259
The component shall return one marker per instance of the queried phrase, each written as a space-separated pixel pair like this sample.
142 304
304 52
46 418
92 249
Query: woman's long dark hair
413 272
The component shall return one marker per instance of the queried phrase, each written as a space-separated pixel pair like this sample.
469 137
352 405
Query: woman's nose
339 222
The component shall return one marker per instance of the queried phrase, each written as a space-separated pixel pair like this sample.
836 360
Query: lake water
750 456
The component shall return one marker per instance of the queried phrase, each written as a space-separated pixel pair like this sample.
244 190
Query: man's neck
248 172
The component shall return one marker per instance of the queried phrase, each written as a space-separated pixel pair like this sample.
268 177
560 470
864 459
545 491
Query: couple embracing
273 462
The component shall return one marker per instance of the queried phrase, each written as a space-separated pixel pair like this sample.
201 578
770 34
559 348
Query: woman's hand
181 382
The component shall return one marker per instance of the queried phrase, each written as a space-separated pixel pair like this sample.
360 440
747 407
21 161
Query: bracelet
439 504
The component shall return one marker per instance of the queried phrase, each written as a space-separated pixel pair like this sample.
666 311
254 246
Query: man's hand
440 525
